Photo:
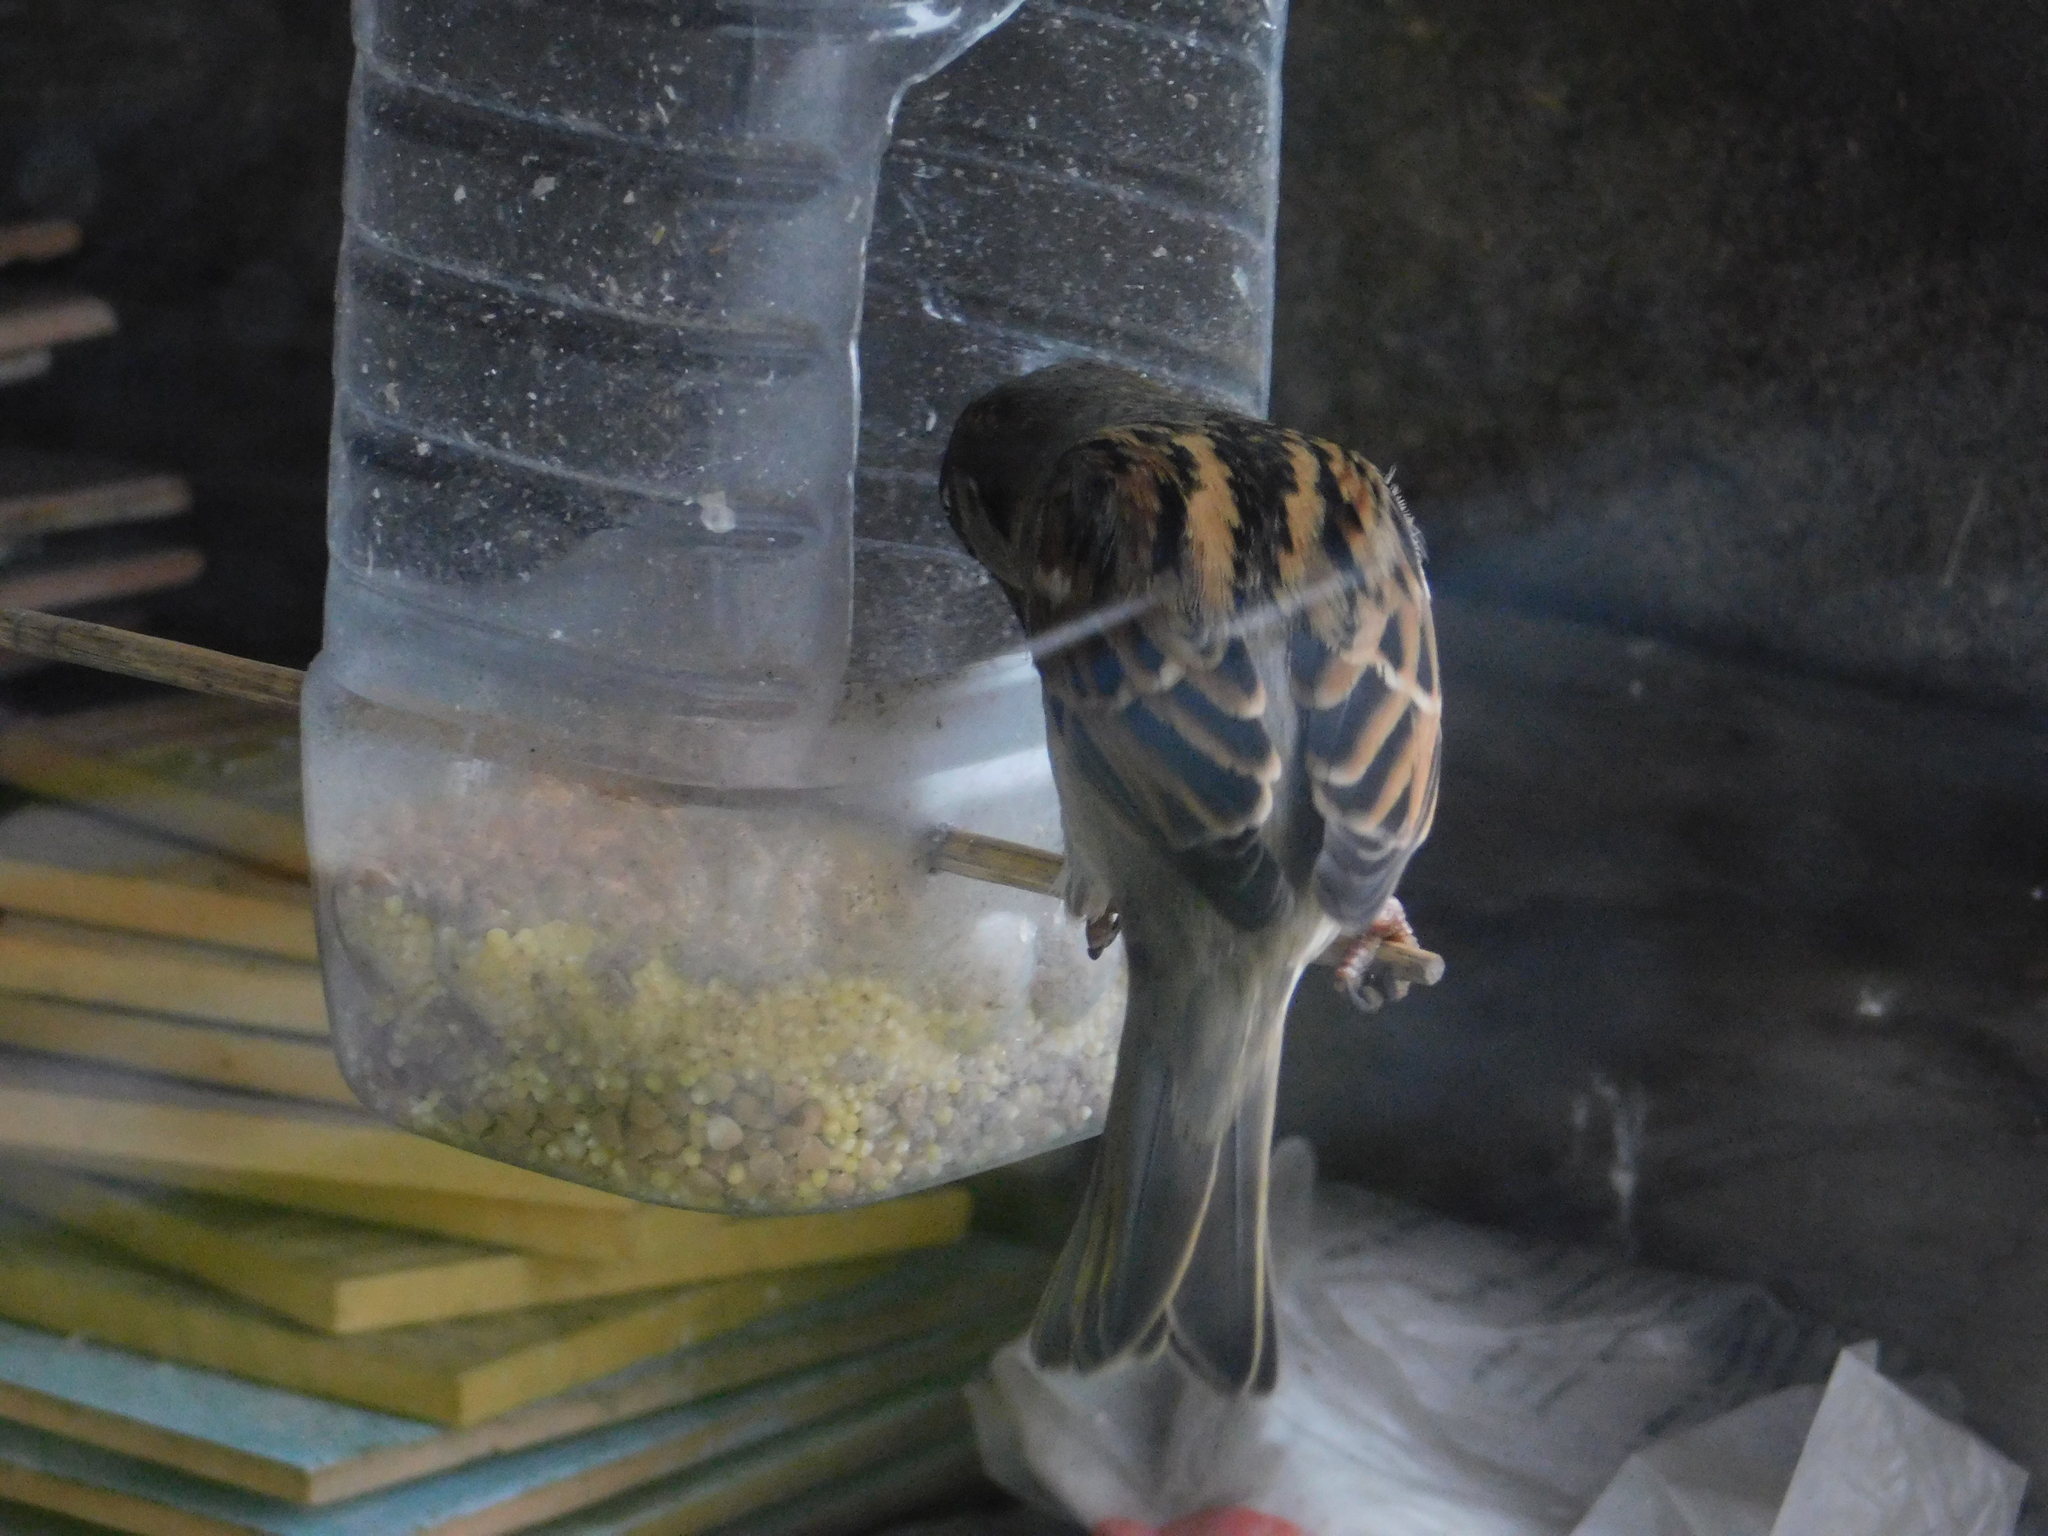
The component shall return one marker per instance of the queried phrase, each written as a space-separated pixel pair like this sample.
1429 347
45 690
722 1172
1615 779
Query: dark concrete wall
1718 319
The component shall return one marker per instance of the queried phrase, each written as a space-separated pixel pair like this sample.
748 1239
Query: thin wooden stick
124 651
41 240
1033 869
191 667
999 863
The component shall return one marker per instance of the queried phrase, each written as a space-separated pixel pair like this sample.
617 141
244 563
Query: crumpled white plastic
1437 1380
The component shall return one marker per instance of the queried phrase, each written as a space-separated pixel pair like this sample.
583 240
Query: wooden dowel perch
230 677
1033 869
190 667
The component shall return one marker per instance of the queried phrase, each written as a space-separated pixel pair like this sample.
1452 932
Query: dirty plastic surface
647 675
754 1004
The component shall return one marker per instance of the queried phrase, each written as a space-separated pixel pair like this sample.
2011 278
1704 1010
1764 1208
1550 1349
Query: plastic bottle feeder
650 662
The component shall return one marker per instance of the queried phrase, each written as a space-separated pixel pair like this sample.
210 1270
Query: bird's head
1005 445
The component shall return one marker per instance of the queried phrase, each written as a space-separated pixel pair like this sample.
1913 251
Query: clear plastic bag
1436 1380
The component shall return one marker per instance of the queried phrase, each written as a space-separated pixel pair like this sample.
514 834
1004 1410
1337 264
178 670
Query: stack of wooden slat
69 535
235 1303
36 318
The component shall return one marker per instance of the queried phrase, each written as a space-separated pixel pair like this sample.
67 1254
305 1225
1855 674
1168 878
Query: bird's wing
1363 667
1159 702
1188 546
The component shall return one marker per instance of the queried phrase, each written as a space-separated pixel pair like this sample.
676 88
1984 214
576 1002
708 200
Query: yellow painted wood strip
107 1509
722 1370
131 1437
200 741
759 1242
456 1373
48 1110
198 1052
163 908
229 748
643 1234
123 970
952 1307
420 1291
926 1374
594 1235
899 1422
75 1114
52 835
32 758
320 1158
599 1236
349 1277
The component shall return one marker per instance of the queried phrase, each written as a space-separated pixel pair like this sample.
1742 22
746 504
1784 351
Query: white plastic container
639 707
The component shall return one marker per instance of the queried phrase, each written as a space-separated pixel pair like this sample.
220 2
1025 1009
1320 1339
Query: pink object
1210 1522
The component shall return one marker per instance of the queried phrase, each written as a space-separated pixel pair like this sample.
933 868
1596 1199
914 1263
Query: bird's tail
1170 1249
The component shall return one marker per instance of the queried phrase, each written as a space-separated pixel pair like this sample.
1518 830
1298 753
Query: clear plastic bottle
638 707
1097 181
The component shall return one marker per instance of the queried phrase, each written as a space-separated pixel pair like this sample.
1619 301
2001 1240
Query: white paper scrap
1878 1463
1863 1456
1726 1477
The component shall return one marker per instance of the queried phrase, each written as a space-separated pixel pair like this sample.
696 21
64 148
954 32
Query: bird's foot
1102 931
1362 975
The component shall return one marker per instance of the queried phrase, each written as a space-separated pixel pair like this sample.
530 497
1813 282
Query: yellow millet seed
821 1089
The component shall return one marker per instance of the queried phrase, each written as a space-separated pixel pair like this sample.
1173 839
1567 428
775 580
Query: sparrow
1233 636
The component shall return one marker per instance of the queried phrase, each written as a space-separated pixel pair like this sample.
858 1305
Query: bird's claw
1102 931
1360 976
1371 990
